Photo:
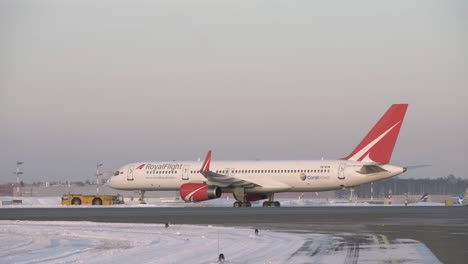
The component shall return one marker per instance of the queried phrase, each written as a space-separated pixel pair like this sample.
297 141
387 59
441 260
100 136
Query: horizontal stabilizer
370 169
412 167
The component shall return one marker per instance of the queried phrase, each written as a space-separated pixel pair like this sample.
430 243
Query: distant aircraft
424 198
258 180
460 200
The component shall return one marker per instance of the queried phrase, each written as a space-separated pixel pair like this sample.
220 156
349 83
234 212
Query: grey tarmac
444 230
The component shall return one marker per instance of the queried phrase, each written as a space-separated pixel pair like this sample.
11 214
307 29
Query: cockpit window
116 173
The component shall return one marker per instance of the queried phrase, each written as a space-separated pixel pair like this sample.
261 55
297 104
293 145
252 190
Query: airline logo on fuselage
314 178
165 166
304 177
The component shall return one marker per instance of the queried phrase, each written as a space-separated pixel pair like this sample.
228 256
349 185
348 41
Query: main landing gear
270 202
242 201
242 204
142 197
239 194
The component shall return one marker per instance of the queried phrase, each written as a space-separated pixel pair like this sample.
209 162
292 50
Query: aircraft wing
223 180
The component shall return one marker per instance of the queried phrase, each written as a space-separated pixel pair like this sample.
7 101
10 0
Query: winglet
206 164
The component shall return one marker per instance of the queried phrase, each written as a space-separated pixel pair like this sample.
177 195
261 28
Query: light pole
98 164
18 172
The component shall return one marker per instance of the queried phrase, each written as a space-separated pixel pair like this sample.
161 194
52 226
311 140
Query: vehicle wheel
97 201
237 204
248 204
76 201
265 204
277 204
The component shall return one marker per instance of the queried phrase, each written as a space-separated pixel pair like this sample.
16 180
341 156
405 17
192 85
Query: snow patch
89 242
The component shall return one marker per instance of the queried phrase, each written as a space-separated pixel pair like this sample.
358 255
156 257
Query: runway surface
444 230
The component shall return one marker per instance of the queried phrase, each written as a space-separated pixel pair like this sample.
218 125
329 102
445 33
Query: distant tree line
449 185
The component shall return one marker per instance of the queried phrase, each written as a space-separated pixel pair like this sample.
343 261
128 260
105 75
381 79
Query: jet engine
197 192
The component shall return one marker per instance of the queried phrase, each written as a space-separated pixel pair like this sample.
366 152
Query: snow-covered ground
87 242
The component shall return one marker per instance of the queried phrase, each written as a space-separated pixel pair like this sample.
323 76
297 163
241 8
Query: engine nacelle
197 192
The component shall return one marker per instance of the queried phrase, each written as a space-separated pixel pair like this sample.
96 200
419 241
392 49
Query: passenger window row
270 171
161 172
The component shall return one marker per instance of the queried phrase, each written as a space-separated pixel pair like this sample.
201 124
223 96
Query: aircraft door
185 172
341 171
130 173
230 172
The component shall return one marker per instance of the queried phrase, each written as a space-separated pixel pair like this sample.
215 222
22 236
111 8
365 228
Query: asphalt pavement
444 230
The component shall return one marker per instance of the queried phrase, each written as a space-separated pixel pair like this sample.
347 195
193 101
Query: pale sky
125 81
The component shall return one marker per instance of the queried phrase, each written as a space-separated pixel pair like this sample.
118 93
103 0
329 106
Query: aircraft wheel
97 201
271 204
76 201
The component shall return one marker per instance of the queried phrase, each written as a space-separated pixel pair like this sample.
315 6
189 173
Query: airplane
250 181
460 200
424 198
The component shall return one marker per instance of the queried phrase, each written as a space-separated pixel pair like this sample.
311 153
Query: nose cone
113 182
117 182
109 183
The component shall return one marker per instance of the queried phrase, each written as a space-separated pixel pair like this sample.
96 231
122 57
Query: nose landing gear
142 197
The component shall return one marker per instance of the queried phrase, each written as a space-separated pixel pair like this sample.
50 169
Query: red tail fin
378 145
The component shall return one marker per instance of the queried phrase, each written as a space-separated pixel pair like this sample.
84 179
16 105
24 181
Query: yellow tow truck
79 199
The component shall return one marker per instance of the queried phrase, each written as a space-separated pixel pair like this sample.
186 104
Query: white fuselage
269 176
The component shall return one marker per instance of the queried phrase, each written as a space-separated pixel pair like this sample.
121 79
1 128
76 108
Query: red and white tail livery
257 180
378 145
